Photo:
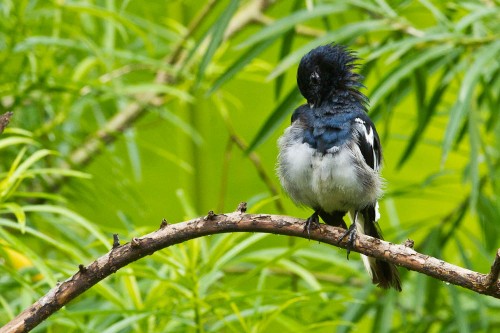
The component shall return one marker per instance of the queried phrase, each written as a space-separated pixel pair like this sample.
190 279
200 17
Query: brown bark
171 234
4 120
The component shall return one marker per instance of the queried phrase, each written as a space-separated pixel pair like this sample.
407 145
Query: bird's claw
351 232
313 221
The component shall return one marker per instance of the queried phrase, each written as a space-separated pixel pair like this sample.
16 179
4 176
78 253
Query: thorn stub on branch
492 277
82 269
135 242
4 120
242 207
116 241
210 216
163 224
409 243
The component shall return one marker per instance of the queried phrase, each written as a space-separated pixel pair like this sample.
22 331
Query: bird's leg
312 220
351 232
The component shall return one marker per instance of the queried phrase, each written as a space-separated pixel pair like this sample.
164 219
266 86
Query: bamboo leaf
216 37
459 111
154 88
240 63
304 274
18 212
279 114
108 15
462 321
286 46
426 112
489 214
404 69
16 140
384 316
355 310
73 217
475 146
291 21
435 12
476 16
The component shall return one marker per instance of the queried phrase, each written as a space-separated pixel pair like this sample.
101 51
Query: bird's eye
314 78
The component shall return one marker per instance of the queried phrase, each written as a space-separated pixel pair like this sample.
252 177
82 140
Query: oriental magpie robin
330 156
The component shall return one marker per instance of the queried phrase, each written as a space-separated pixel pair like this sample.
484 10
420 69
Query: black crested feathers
326 71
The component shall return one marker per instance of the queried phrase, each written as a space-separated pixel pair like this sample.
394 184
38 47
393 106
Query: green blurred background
189 98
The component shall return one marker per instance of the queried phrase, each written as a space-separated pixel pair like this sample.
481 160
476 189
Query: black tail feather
335 219
384 275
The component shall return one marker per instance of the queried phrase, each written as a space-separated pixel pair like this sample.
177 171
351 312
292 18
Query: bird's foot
312 221
351 234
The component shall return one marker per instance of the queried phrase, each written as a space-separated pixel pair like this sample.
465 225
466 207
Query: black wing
368 142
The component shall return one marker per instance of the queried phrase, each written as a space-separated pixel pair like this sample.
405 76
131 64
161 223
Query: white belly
330 181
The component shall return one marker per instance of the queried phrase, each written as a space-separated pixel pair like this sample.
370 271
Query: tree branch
4 120
168 235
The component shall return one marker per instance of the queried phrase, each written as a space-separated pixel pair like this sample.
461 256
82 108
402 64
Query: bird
330 156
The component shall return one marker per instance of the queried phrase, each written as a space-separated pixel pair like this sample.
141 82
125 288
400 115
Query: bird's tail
383 274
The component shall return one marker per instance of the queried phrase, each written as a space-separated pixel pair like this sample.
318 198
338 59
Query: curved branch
172 234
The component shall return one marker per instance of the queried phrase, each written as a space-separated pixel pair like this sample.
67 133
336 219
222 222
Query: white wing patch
369 138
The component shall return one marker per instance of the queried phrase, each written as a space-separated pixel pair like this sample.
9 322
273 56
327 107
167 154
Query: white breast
331 181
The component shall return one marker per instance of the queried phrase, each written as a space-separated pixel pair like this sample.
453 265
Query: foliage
187 74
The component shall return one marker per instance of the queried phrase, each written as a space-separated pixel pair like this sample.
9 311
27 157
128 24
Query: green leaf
459 111
476 16
183 125
304 274
59 172
37 259
462 320
154 88
31 42
18 212
216 37
220 324
401 47
109 16
384 316
475 147
68 250
435 12
273 317
279 114
237 249
72 216
289 22
18 170
286 46
16 140
132 288
386 9
426 112
356 309
240 63
406 67
489 215
126 323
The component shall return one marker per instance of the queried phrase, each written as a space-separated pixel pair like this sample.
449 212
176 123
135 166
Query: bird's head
326 70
